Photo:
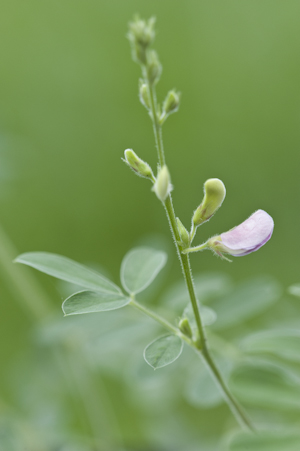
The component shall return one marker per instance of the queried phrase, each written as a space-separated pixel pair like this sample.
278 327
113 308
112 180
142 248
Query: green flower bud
139 166
144 94
184 234
185 328
171 104
141 34
154 68
214 194
162 187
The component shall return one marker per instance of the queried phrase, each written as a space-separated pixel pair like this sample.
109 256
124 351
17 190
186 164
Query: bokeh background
69 107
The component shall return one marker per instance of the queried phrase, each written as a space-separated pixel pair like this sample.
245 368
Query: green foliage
93 302
284 343
68 270
266 385
140 267
260 382
163 351
246 301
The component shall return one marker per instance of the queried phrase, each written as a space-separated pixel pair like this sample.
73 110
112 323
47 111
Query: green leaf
266 385
163 351
247 301
66 269
91 302
265 441
140 267
284 343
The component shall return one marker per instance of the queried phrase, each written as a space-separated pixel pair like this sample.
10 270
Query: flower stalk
201 344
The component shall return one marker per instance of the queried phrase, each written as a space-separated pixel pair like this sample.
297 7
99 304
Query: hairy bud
171 104
139 166
144 94
185 327
214 194
162 187
184 234
154 68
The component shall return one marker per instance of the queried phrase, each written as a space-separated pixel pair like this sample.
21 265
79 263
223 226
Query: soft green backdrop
69 108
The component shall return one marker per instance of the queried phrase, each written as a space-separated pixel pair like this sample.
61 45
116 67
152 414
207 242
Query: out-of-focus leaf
207 286
246 301
140 267
294 289
284 343
92 301
201 389
266 385
265 441
208 315
68 270
163 351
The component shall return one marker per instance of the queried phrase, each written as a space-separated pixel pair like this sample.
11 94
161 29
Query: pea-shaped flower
246 237
243 239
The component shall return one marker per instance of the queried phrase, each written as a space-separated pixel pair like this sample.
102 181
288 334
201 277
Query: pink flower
246 237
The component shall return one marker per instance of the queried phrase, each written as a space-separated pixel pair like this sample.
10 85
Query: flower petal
248 236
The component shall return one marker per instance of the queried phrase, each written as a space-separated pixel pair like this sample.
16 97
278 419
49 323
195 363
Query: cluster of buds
161 184
141 35
243 239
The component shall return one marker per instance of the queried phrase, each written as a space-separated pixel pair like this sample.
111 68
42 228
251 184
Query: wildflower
246 237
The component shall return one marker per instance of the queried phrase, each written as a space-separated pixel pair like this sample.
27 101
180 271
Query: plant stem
233 404
187 273
201 247
160 320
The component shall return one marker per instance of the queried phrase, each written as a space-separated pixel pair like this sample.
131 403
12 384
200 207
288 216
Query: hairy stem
187 273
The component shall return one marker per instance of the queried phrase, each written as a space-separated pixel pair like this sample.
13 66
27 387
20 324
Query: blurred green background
69 107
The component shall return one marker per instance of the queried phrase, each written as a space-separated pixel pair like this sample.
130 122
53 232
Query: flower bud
154 67
144 95
171 103
185 327
184 234
214 194
162 186
141 34
139 166
245 238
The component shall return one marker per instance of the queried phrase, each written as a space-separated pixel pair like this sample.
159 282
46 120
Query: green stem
186 269
159 319
233 404
201 247
193 232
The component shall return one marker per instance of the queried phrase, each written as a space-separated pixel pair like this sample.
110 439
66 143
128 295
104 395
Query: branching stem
203 349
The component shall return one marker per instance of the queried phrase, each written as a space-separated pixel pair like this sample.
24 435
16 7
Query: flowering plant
141 265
